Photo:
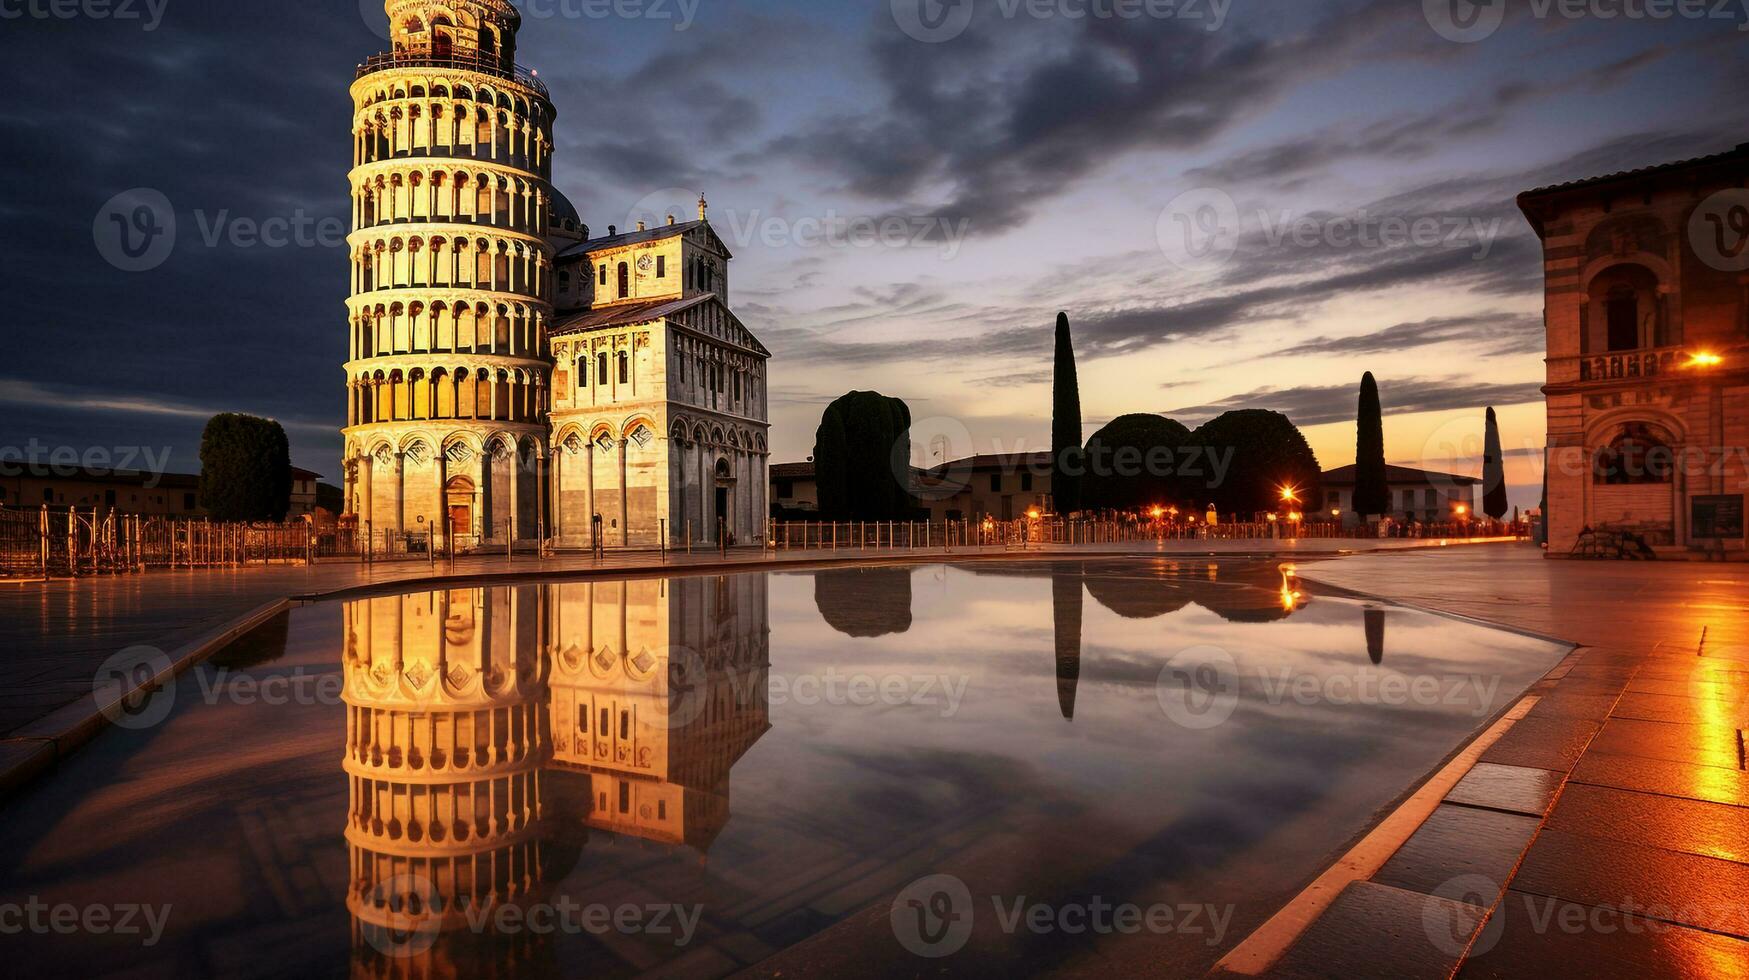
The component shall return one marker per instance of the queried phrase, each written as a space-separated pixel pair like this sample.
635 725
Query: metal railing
463 61
47 543
1019 533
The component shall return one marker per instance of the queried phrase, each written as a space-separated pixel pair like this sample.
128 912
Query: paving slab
1547 743
1512 789
1706 745
1374 930
1532 937
1458 841
1685 889
1692 826
1710 783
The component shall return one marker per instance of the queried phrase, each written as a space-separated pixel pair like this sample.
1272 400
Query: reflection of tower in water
446 736
488 730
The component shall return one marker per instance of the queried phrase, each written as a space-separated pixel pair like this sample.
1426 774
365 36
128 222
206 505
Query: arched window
625 280
583 371
1640 454
601 368
1623 310
625 368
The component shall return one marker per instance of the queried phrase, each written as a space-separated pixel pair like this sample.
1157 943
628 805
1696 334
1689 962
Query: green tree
1372 492
1066 470
1250 456
245 469
1133 463
1493 471
862 458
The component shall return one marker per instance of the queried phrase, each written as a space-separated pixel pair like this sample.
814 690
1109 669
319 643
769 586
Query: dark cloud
1487 335
1320 404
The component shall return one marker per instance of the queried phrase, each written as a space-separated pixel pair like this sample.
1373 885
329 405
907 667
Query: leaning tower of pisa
450 298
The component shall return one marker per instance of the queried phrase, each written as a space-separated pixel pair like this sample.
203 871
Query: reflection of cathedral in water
490 730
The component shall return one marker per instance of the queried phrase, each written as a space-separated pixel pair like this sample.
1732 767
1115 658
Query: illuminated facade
511 379
1647 313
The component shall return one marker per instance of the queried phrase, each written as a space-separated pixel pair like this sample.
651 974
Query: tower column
625 498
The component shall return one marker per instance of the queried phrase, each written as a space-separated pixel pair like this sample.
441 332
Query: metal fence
48 543
884 535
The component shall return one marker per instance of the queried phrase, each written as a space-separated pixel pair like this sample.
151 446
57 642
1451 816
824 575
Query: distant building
793 488
128 491
1003 486
1416 495
1647 310
303 493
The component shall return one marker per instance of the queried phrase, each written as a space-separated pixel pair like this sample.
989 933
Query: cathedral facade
513 380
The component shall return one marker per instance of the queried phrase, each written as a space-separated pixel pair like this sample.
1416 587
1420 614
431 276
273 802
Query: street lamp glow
1158 512
1705 359
1290 493
1032 512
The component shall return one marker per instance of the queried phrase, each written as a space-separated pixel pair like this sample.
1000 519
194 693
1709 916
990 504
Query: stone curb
35 748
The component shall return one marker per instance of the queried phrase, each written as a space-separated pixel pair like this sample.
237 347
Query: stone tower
450 287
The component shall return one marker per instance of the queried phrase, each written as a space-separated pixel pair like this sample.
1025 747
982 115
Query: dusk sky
1032 164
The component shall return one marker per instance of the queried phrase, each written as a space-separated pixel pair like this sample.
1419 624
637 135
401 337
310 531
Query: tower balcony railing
1615 366
456 61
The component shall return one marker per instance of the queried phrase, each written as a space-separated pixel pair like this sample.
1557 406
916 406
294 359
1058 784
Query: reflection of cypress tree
864 601
1375 634
1066 623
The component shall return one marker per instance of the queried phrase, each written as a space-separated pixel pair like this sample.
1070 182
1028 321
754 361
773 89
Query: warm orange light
1462 510
1032 512
1335 512
1271 518
1296 516
1705 359
1290 493
1158 512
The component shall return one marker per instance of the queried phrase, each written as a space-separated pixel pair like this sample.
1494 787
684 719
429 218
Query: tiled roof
1343 476
630 238
1742 151
621 314
792 471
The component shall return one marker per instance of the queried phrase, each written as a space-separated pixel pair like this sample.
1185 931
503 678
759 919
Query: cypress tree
1493 471
1065 424
245 469
1372 493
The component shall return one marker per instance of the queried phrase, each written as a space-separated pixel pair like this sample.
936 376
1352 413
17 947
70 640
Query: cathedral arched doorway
725 497
458 499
